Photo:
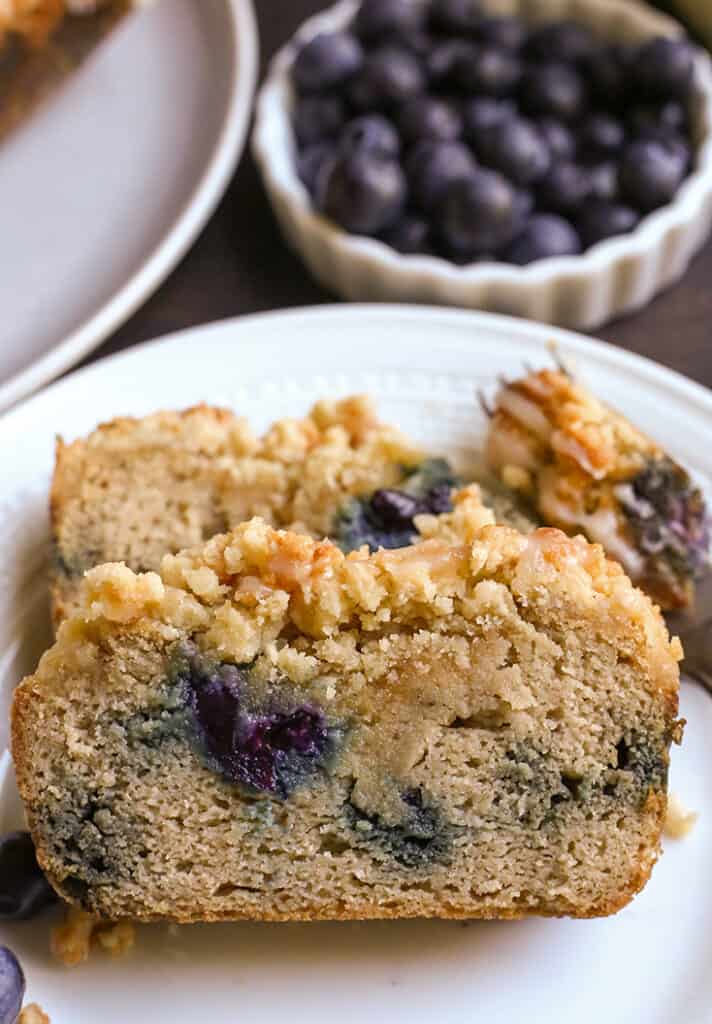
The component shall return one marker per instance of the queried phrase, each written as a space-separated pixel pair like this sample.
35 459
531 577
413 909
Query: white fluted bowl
613 277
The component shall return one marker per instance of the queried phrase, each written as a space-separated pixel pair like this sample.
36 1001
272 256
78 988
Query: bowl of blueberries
551 160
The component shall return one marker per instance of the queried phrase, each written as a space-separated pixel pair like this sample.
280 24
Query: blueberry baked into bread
136 489
586 468
273 729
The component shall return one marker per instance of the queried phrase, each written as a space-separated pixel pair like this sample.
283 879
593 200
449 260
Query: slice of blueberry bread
586 468
272 729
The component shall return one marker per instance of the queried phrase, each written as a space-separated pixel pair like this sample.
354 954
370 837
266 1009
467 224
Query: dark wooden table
241 265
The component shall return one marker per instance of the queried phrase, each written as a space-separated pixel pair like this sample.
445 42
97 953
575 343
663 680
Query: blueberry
558 137
372 133
310 162
416 40
480 215
561 41
600 135
545 235
12 986
457 16
553 89
489 70
658 121
317 117
664 69
603 180
327 61
427 117
433 166
516 149
650 174
444 58
363 192
24 890
599 219
608 72
378 18
483 113
390 75
268 750
409 235
565 188
509 33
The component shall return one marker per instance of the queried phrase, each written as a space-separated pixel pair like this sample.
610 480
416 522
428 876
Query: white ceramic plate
107 185
647 965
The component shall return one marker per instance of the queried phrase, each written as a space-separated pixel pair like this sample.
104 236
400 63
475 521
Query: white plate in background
106 186
648 964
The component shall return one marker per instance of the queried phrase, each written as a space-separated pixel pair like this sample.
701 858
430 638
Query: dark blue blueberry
316 118
409 235
327 61
363 192
480 215
600 135
428 117
378 18
390 75
444 58
509 33
561 41
268 751
658 121
488 70
433 166
423 838
545 235
483 113
608 74
603 180
555 90
599 219
456 16
12 986
517 149
558 137
650 174
372 133
564 189
664 68
24 890
416 40
311 164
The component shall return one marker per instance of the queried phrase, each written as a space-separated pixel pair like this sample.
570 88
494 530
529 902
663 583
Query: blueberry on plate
316 118
516 149
12 986
545 235
410 235
310 162
327 61
428 117
561 41
480 214
599 220
558 137
603 180
390 75
650 173
565 188
483 113
24 890
600 135
363 192
433 166
457 16
489 70
555 90
372 133
378 18
664 69
508 33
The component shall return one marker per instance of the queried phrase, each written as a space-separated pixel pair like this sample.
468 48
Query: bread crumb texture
679 821
477 725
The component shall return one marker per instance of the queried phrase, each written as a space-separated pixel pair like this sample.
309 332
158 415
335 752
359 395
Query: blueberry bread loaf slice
271 729
586 468
136 489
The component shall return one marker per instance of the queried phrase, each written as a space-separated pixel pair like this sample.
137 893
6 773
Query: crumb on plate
33 1014
679 822
71 941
